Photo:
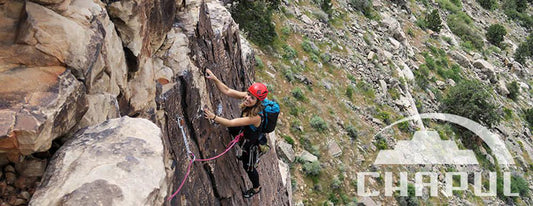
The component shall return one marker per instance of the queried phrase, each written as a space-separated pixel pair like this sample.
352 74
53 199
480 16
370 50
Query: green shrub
461 25
286 30
404 126
524 50
453 6
488 4
294 109
422 76
523 18
394 93
495 34
381 143
332 197
453 73
288 139
325 57
352 132
312 168
298 94
507 113
365 7
349 92
288 74
433 21
420 22
336 183
318 123
514 90
385 116
308 47
473 100
529 116
315 58
289 52
366 89
255 18
326 6
259 62
519 185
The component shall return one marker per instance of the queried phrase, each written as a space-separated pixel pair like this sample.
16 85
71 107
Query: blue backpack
269 116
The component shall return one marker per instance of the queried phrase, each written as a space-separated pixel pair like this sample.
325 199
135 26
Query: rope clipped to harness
193 159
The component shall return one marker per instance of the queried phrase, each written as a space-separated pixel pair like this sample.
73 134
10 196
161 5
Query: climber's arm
242 121
223 88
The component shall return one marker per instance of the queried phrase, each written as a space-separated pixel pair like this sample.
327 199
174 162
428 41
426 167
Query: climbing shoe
251 192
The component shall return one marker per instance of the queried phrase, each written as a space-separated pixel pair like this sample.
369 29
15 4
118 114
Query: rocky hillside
343 70
91 91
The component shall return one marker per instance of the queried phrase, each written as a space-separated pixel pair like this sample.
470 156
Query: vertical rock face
142 26
221 181
118 162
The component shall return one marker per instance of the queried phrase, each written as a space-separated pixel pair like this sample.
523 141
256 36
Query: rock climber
248 123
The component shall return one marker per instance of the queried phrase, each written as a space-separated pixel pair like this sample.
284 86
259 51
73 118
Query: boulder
334 149
306 19
118 162
460 58
101 107
486 68
502 88
395 44
403 102
40 105
286 151
307 156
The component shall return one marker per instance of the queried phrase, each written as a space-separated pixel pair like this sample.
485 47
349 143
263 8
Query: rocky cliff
67 65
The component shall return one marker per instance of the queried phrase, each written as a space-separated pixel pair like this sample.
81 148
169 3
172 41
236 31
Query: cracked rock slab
117 162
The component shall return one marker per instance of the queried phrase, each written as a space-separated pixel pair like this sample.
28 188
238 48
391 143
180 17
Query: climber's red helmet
258 90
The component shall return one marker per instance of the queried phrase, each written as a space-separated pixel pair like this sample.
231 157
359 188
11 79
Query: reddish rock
222 181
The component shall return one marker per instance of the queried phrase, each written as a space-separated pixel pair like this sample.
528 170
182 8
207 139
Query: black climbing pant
249 156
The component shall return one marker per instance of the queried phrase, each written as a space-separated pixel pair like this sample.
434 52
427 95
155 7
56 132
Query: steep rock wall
221 181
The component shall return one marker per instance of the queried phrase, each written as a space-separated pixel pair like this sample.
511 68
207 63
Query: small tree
514 90
529 116
255 18
488 4
433 21
326 7
472 100
495 34
524 50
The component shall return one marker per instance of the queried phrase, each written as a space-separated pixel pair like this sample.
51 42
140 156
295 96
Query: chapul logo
426 147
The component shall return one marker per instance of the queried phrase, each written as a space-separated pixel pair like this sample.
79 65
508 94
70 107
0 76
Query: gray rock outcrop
118 162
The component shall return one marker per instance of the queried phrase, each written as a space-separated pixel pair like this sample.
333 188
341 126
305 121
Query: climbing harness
193 159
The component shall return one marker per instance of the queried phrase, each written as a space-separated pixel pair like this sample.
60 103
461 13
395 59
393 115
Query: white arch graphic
498 148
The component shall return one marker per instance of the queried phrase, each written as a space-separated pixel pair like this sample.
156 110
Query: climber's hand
210 75
208 114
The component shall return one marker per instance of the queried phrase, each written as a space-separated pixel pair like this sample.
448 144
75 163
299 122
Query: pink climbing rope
228 147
